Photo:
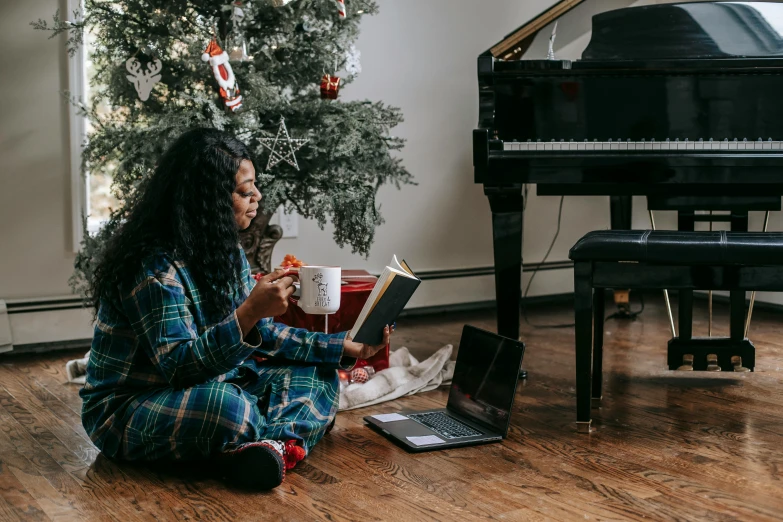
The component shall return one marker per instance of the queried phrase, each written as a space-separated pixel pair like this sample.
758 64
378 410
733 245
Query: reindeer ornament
144 81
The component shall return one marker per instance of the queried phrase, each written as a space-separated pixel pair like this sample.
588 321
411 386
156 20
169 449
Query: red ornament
362 375
330 86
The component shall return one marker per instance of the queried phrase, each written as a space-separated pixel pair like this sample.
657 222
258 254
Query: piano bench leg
598 343
583 427
595 402
583 319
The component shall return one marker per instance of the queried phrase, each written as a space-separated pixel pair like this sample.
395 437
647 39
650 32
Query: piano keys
652 145
682 103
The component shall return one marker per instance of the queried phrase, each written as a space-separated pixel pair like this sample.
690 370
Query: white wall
34 161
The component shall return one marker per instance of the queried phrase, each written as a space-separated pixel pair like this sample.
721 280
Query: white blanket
76 370
405 376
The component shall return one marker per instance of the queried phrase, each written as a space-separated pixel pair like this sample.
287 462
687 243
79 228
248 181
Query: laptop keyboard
444 425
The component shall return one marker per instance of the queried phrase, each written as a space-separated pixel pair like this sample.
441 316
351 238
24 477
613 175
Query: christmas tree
160 69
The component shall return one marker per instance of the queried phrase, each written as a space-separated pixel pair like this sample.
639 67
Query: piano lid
514 45
696 30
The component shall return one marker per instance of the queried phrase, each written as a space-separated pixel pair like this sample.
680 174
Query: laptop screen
485 377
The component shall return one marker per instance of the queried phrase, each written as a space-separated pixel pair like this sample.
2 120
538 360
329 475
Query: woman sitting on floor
186 362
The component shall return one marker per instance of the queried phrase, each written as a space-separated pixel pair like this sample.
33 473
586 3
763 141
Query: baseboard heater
37 325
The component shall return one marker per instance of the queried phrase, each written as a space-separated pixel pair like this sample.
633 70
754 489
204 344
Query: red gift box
356 288
330 86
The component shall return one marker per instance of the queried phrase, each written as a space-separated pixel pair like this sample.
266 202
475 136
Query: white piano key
657 145
507 146
690 145
548 145
724 145
775 145
767 145
539 145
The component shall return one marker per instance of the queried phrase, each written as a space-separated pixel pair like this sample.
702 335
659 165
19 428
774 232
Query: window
90 194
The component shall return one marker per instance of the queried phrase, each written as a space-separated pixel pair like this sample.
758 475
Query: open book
392 292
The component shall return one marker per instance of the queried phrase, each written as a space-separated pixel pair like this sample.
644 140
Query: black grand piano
682 103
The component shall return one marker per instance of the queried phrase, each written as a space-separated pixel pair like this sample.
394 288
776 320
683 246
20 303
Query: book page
371 300
397 267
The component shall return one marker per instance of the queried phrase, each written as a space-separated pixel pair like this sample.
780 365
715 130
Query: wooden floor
666 445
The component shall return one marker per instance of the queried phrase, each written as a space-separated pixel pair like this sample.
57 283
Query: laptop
480 399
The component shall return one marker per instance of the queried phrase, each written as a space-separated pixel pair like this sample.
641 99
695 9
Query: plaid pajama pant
168 380
280 403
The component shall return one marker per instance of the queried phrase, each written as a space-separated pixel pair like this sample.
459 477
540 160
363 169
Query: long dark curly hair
183 209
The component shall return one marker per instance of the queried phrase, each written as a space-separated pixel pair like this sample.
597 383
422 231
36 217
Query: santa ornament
341 9
221 69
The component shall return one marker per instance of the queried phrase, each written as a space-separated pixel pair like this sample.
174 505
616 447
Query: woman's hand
267 299
270 295
365 351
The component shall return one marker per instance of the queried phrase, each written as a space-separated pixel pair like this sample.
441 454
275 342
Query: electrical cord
535 271
616 315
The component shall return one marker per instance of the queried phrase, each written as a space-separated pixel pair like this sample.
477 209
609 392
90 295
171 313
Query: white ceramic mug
320 289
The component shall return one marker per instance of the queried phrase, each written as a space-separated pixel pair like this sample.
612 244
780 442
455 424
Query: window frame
77 127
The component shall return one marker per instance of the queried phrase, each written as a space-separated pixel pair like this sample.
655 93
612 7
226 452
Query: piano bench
670 260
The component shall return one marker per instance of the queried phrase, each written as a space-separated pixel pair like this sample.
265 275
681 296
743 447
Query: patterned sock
254 465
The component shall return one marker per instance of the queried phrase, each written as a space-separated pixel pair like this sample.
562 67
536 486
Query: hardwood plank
56 506
16 502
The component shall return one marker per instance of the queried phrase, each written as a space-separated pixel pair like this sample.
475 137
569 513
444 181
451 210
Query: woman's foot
259 465
254 465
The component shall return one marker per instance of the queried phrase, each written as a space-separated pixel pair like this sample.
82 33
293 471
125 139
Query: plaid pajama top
157 335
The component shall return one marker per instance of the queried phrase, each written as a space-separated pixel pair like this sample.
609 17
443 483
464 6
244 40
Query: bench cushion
681 247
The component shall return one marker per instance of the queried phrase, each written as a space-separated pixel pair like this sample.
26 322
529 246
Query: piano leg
620 212
506 204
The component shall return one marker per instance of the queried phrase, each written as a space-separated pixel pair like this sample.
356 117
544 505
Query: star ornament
282 147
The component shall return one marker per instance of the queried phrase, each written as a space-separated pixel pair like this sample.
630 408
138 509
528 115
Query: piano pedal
736 361
687 363
712 363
